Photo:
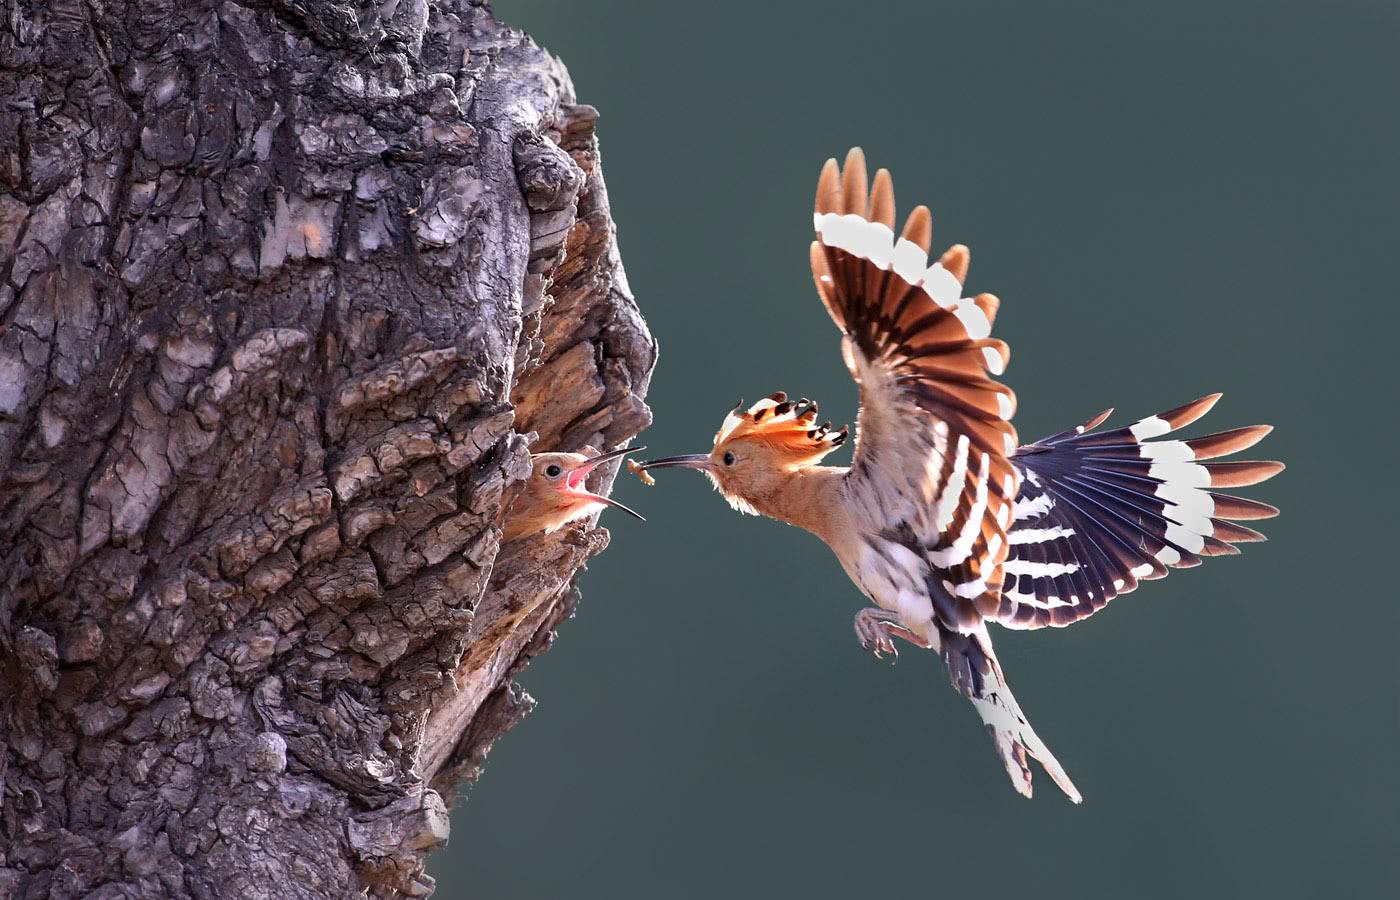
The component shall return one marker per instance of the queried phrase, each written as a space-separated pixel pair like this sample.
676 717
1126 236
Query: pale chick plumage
555 493
942 519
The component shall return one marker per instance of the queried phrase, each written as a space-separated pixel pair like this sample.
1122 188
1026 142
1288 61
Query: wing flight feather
934 435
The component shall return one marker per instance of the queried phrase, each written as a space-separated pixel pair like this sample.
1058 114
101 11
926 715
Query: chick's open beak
573 484
699 461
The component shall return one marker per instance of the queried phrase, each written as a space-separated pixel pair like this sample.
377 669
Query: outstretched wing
977 675
934 434
1098 512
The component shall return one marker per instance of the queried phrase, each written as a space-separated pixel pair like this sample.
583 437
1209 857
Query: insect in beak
700 461
573 484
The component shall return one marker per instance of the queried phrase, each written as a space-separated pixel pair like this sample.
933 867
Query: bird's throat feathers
808 497
735 500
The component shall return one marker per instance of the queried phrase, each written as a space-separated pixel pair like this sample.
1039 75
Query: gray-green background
1170 199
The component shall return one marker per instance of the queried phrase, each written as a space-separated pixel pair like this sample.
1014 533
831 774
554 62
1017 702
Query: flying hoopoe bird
554 494
942 519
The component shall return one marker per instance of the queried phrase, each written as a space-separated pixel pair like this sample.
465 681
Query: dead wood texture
284 286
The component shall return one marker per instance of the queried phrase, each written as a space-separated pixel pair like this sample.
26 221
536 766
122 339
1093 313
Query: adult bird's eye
729 459
553 471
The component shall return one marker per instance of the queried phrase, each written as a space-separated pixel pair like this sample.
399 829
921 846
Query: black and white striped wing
934 434
1098 512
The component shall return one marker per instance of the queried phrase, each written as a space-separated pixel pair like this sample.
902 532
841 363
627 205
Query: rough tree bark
284 285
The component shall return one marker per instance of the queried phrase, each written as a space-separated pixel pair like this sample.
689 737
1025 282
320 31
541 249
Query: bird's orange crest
789 427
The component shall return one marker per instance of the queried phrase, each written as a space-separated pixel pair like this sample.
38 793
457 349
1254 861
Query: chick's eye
728 459
553 471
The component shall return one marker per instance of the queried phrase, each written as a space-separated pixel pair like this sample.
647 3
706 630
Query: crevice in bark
287 288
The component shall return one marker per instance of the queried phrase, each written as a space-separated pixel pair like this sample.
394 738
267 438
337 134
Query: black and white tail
977 675
1096 513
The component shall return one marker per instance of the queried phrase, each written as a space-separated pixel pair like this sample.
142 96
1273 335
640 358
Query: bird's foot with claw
876 630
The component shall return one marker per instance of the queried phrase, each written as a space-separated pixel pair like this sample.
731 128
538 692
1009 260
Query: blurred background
1170 199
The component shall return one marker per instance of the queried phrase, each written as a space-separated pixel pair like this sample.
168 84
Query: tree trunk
283 286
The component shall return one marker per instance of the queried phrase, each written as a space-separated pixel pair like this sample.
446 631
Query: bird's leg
877 628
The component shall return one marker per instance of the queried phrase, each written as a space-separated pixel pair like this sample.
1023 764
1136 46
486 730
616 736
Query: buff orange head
757 448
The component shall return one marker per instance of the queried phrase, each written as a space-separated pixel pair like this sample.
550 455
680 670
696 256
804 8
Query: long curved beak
608 501
611 455
582 472
699 461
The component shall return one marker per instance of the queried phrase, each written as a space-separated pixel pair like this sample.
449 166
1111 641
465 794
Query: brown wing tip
1242 473
1241 509
918 228
829 188
854 182
1003 352
1213 546
1095 421
882 199
956 259
1235 534
989 304
1184 415
1223 443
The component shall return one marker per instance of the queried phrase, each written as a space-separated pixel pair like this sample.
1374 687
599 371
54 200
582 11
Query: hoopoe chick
942 520
554 495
